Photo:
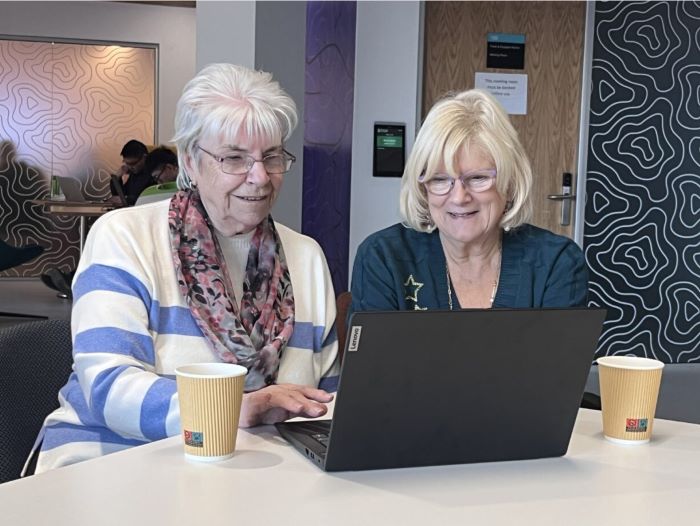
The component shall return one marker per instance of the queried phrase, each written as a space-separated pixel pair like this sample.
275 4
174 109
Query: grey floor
28 299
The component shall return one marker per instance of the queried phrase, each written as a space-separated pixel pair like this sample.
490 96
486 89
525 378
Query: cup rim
630 362
210 370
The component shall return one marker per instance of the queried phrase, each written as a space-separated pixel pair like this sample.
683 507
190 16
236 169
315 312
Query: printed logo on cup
636 425
194 438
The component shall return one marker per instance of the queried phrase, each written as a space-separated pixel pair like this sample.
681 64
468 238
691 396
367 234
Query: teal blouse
399 268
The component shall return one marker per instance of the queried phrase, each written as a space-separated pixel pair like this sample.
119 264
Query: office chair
35 362
157 193
342 304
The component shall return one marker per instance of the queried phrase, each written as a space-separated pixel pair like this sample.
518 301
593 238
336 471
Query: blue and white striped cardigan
131 329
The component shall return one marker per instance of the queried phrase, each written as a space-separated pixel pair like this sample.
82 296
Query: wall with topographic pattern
642 232
65 109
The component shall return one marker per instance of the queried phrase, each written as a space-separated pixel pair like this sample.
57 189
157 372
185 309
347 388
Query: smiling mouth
462 215
251 199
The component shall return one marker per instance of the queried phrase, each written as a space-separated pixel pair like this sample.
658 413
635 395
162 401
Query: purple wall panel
328 108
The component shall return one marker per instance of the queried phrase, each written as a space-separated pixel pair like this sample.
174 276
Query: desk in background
79 209
268 482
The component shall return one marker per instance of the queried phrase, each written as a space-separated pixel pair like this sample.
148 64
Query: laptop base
304 437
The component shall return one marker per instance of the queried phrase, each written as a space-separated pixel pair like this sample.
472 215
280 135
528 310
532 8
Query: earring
190 183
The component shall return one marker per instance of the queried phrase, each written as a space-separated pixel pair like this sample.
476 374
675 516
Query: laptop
118 188
74 194
451 387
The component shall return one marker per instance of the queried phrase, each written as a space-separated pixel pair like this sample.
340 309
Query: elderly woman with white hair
206 276
465 241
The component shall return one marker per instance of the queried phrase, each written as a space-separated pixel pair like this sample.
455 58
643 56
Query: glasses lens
276 164
479 182
439 184
236 165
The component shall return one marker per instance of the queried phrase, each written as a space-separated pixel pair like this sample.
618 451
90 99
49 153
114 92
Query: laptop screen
445 387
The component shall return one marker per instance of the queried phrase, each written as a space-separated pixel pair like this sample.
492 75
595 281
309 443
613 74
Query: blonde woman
465 241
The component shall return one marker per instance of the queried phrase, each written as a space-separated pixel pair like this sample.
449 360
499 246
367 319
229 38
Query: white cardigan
131 328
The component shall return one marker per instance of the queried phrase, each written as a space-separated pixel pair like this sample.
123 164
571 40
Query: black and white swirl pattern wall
642 232
65 109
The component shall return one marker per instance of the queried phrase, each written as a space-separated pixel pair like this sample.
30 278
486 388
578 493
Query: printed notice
509 89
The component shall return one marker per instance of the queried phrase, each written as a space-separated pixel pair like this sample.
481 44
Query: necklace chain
493 290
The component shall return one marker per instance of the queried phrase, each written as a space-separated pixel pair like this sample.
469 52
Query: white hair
230 99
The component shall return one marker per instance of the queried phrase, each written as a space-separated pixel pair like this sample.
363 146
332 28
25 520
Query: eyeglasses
474 181
276 163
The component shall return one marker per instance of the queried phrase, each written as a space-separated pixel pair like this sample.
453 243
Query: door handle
565 197
562 197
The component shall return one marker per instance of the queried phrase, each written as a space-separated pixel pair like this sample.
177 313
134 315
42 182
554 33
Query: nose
258 175
460 192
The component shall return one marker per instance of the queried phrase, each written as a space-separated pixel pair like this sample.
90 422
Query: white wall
269 36
387 76
173 28
280 48
226 33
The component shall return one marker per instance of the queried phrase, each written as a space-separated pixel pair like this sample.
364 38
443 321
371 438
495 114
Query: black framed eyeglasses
241 164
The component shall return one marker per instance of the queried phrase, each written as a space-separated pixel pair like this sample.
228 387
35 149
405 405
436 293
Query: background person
465 241
204 277
132 173
161 164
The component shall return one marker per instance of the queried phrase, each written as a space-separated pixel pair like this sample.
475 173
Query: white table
268 482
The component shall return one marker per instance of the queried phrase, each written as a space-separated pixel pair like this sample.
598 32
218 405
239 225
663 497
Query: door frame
586 88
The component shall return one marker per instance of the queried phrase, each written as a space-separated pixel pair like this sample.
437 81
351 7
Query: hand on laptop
277 403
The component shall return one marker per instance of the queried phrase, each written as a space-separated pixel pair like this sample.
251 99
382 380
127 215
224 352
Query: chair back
342 304
157 192
35 362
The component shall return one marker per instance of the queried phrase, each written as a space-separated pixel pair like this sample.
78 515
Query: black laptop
450 387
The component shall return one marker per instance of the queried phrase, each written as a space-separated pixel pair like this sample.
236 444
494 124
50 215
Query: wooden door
455 49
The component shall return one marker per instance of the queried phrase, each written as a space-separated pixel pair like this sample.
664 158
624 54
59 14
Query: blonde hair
457 124
233 99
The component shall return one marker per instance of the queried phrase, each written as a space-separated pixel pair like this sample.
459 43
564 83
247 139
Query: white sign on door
509 89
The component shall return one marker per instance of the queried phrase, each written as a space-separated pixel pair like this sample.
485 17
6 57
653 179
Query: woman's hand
276 403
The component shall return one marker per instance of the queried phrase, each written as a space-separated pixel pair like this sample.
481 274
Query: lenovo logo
354 338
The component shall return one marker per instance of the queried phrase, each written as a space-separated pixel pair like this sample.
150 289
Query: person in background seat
132 174
162 164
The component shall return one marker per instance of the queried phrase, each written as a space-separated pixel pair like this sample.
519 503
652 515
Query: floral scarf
254 334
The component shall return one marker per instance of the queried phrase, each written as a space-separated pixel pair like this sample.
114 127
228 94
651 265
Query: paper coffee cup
210 396
629 390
